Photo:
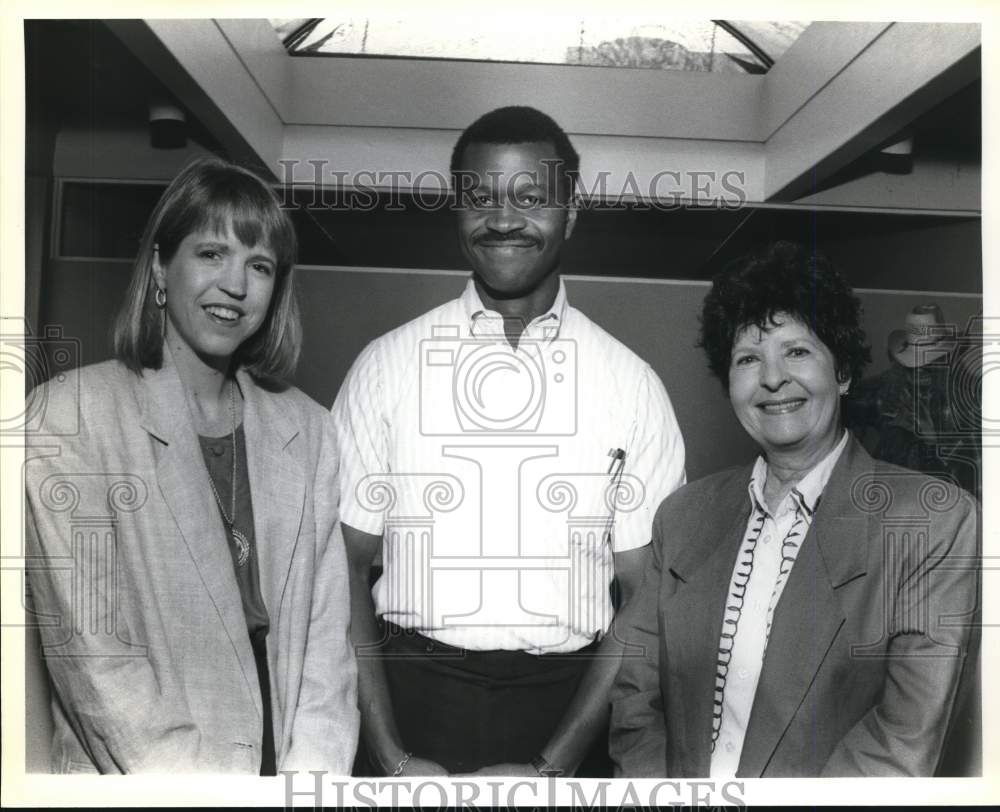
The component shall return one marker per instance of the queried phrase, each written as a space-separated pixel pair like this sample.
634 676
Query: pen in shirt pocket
617 462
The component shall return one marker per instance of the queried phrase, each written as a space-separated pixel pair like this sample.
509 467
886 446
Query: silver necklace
242 542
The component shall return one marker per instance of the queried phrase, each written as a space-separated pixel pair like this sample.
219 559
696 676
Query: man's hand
588 712
378 725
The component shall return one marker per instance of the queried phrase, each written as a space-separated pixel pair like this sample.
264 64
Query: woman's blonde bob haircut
212 194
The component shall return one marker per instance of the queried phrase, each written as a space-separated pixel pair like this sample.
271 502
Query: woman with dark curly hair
802 615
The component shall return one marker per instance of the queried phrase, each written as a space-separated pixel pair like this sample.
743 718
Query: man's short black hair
518 125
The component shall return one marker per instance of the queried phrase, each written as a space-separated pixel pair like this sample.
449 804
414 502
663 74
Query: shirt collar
804 496
485 323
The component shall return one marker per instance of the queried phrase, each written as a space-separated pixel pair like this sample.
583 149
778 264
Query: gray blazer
871 649
142 625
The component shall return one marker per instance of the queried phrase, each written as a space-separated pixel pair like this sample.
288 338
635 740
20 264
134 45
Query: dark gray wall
344 309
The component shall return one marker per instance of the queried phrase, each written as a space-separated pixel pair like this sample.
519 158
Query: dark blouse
218 454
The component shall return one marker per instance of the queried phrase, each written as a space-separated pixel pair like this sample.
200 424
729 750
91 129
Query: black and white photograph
550 404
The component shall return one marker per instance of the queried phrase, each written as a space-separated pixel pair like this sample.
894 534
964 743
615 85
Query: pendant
242 547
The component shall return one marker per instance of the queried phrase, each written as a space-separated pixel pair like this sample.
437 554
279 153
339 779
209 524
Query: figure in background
923 412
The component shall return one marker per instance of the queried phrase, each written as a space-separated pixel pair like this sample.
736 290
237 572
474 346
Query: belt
417 643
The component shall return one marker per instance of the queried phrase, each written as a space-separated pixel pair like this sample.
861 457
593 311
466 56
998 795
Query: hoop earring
160 297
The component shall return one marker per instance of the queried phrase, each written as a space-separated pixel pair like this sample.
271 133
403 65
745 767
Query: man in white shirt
505 456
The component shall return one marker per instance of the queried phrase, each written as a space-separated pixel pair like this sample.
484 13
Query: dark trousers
470 709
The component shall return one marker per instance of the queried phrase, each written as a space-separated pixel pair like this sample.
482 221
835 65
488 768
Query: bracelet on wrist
544 769
402 765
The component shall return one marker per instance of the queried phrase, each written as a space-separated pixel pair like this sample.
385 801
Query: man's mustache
495 239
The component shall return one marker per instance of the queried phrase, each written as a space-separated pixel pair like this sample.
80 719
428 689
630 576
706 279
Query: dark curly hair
783 277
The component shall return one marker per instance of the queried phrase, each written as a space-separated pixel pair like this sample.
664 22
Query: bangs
232 200
765 294
767 320
253 222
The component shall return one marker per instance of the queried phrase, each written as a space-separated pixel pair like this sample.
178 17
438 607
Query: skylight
648 41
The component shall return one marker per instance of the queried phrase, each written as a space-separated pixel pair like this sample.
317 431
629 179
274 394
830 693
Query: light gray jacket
142 625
